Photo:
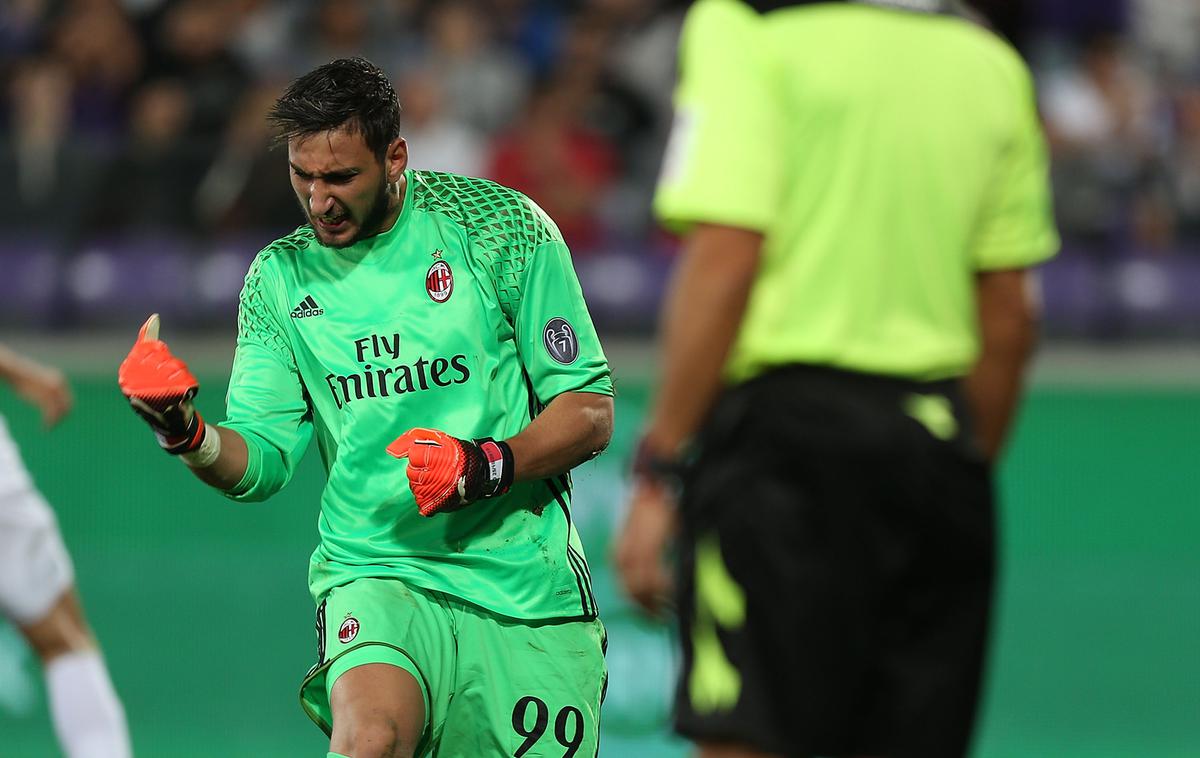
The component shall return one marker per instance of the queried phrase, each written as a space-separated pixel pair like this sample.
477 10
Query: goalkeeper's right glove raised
160 389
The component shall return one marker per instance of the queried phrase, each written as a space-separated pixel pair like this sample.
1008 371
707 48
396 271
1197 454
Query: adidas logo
307 307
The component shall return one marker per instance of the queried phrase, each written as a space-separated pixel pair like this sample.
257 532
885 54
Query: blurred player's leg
87 714
37 592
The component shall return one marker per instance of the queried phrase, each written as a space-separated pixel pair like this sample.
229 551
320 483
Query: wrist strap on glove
189 441
497 470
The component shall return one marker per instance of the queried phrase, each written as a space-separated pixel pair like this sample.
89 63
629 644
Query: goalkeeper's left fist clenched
446 473
160 388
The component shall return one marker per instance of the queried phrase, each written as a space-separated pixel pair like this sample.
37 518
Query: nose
320 202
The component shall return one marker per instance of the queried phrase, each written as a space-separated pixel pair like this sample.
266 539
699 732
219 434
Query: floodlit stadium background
136 178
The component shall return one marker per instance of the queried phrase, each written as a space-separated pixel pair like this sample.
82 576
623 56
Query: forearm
229 468
14 366
573 428
704 309
1007 323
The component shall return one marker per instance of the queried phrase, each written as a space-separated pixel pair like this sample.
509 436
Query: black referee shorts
836 568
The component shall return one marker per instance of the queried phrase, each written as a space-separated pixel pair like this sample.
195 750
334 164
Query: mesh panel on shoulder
254 318
502 225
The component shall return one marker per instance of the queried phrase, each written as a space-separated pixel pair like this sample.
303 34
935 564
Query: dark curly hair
350 92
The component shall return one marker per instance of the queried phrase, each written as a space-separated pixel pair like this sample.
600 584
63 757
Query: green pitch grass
202 608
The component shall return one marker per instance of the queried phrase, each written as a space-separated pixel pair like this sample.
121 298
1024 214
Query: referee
863 186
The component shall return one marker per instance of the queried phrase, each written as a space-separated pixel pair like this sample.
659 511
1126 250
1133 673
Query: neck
395 194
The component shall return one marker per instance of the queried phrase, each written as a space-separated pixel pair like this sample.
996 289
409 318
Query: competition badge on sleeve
560 341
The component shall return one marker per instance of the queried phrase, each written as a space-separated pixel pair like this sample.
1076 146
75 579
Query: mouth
332 224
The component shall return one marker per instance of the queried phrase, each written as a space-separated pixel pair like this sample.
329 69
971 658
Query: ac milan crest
439 282
348 630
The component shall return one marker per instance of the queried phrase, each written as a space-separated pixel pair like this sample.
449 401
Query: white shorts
34 566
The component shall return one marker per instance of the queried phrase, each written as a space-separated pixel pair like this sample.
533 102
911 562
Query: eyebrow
342 174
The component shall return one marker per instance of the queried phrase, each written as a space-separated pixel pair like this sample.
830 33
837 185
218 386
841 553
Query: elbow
253 495
1009 315
1025 329
266 470
1017 335
1011 341
600 426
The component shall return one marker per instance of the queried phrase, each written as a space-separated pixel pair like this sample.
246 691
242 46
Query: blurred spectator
1074 16
151 184
1104 100
52 164
533 28
1169 31
343 29
435 140
608 54
99 47
40 96
642 53
20 26
262 36
1100 120
609 106
246 187
1185 181
483 84
550 156
195 39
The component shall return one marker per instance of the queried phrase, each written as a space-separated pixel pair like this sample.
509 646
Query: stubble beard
371 225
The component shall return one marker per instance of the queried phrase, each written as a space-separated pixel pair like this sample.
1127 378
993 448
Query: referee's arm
1015 232
703 311
1008 312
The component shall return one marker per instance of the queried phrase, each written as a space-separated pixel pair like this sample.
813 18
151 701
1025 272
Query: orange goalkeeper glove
446 473
160 388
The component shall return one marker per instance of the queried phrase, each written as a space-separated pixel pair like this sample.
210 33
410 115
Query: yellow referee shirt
886 154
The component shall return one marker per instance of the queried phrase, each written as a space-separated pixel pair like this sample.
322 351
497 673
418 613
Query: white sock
88 717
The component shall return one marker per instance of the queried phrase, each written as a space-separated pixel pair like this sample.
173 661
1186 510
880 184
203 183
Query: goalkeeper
429 331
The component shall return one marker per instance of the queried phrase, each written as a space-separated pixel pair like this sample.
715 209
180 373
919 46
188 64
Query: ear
395 159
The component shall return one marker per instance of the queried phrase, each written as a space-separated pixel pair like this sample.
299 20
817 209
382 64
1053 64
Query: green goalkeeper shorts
492 685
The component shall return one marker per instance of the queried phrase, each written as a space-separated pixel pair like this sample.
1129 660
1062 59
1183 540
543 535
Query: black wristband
655 467
497 468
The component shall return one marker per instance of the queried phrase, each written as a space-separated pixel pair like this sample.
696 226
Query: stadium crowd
143 115
130 120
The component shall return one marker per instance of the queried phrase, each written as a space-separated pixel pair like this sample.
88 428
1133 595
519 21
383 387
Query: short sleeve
554 331
266 404
1016 225
722 161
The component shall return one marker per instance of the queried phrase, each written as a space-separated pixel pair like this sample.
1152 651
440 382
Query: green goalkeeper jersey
466 316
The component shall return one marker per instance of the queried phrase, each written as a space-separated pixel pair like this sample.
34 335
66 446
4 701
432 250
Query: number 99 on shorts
539 729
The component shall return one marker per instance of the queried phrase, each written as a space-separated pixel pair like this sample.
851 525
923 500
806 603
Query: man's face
342 186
